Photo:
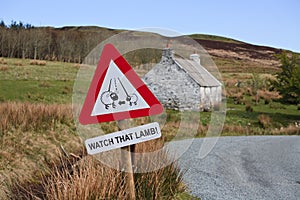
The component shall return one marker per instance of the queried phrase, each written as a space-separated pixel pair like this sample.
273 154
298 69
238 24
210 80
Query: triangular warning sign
116 92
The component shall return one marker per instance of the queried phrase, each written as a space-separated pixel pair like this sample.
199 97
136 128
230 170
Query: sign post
127 164
117 93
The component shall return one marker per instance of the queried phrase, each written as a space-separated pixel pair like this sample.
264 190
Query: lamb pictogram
113 98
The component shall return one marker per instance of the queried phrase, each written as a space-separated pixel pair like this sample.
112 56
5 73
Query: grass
50 91
87 178
23 80
23 69
53 83
281 115
36 119
30 135
32 165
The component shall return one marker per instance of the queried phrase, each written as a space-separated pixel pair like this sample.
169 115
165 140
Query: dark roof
198 73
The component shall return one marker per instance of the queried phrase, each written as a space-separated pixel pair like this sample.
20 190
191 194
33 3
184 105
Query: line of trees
68 44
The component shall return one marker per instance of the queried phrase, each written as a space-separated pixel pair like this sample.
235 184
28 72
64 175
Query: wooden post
127 165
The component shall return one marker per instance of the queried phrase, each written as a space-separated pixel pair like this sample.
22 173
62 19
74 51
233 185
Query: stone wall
175 89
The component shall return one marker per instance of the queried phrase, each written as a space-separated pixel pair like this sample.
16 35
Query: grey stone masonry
176 89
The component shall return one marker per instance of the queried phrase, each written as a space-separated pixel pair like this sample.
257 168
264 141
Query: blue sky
264 22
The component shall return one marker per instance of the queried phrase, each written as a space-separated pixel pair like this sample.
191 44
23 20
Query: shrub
238 98
248 108
234 129
267 100
44 84
287 83
291 129
264 120
2 61
18 64
298 106
256 99
249 91
272 95
66 90
3 68
38 62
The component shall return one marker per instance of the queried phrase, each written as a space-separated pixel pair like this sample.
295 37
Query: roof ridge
198 73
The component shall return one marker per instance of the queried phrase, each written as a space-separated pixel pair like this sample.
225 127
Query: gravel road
253 167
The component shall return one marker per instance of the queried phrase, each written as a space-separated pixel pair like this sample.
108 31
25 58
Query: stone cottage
183 84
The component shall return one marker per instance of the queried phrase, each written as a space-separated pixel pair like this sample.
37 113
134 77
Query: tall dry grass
32 168
86 178
291 129
90 179
2 61
38 62
164 183
33 117
29 136
264 120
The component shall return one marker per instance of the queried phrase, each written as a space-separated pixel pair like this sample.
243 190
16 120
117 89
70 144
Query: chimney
195 57
167 55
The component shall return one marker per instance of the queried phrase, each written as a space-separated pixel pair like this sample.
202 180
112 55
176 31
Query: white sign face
123 138
117 94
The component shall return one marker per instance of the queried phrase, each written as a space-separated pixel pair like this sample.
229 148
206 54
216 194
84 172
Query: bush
3 68
287 83
2 61
238 98
267 100
44 84
264 120
291 129
298 106
249 91
249 108
66 90
18 64
269 96
256 99
37 62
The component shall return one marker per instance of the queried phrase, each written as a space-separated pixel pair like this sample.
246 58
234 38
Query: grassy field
52 82
46 82
41 155
39 141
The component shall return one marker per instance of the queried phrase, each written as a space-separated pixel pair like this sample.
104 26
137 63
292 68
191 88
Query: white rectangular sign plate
123 138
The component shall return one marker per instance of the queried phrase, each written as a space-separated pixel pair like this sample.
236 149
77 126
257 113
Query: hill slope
235 56
72 44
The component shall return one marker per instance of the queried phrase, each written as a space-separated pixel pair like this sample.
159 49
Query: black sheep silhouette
109 97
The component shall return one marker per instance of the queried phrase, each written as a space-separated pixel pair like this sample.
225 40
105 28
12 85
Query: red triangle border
109 53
